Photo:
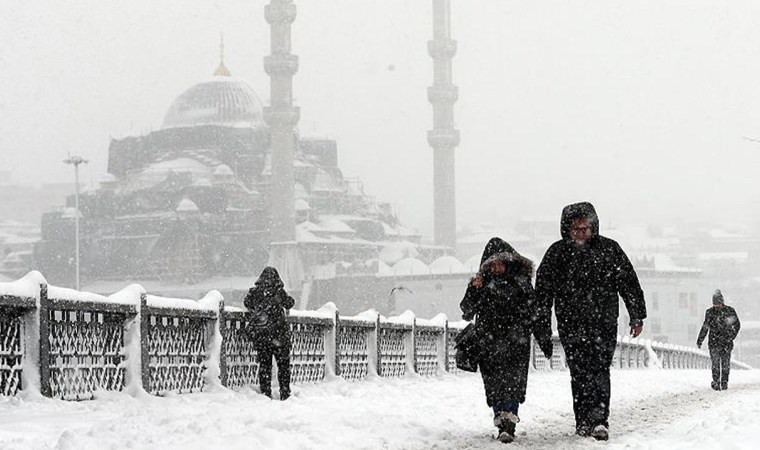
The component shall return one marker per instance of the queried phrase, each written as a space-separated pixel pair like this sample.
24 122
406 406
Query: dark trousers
721 366
282 356
589 363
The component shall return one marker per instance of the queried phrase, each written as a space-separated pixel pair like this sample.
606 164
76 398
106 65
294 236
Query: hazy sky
639 106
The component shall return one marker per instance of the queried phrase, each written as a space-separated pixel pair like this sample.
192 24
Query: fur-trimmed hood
498 249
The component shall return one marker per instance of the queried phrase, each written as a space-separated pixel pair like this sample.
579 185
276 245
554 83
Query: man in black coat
722 322
268 304
581 276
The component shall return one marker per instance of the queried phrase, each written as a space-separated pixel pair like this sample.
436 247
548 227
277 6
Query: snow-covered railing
636 353
69 344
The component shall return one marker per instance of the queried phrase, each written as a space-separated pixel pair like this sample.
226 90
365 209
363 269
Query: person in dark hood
269 303
581 276
722 322
501 300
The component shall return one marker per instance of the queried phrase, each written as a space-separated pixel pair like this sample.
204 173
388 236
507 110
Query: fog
645 108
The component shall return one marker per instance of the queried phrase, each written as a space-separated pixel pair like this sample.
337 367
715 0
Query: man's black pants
721 366
589 361
282 356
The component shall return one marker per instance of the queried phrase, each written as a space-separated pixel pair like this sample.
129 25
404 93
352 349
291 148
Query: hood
717 297
495 245
577 211
498 249
269 278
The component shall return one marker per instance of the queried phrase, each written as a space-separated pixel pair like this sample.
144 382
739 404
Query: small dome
223 101
410 266
447 264
187 205
223 170
302 205
473 263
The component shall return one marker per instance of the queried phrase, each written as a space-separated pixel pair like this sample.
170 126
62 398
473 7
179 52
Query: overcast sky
640 107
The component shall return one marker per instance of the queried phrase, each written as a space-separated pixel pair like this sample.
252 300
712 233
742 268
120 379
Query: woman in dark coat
268 303
501 299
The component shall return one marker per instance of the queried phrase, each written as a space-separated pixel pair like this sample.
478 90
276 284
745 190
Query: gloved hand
547 348
636 330
699 345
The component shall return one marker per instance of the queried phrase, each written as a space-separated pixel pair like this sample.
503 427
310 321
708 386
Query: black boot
506 423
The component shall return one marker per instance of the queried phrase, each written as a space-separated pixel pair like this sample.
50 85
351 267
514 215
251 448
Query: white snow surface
651 409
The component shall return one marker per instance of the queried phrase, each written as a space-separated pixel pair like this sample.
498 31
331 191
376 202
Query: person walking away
722 322
268 304
581 276
501 299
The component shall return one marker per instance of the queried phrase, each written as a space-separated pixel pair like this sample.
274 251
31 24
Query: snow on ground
650 409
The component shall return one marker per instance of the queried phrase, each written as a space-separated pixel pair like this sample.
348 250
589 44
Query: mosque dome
223 100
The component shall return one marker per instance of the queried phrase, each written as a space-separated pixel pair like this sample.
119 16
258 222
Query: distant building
191 201
676 300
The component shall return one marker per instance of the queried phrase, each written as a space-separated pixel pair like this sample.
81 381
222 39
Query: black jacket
504 308
269 298
583 282
723 325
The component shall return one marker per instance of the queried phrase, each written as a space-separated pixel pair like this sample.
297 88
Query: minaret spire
282 118
222 70
443 137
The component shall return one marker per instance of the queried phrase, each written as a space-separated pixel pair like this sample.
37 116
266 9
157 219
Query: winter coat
723 325
583 283
503 309
268 300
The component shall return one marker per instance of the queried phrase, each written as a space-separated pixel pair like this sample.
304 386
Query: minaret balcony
443 138
443 94
442 49
282 117
281 64
280 12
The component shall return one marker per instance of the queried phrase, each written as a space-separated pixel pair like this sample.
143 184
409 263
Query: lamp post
76 161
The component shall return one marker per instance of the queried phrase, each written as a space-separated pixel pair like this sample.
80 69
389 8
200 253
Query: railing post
144 342
221 317
44 343
445 352
411 347
373 349
332 346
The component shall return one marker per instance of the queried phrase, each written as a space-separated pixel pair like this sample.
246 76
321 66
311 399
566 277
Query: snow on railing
70 345
636 353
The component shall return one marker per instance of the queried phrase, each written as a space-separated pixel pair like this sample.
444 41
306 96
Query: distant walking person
581 276
268 304
723 325
501 299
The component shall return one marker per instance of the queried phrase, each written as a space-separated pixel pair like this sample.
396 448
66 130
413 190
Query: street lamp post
76 161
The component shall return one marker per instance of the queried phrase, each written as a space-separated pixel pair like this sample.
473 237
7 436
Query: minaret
282 117
443 137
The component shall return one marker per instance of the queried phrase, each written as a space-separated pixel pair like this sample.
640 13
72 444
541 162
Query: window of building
693 304
656 327
683 300
692 332
655 301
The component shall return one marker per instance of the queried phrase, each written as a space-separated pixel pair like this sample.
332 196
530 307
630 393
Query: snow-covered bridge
363 381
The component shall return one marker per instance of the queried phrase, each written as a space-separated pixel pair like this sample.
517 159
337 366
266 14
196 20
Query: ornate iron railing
429 345
12 342
354 347
84 343
393 349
